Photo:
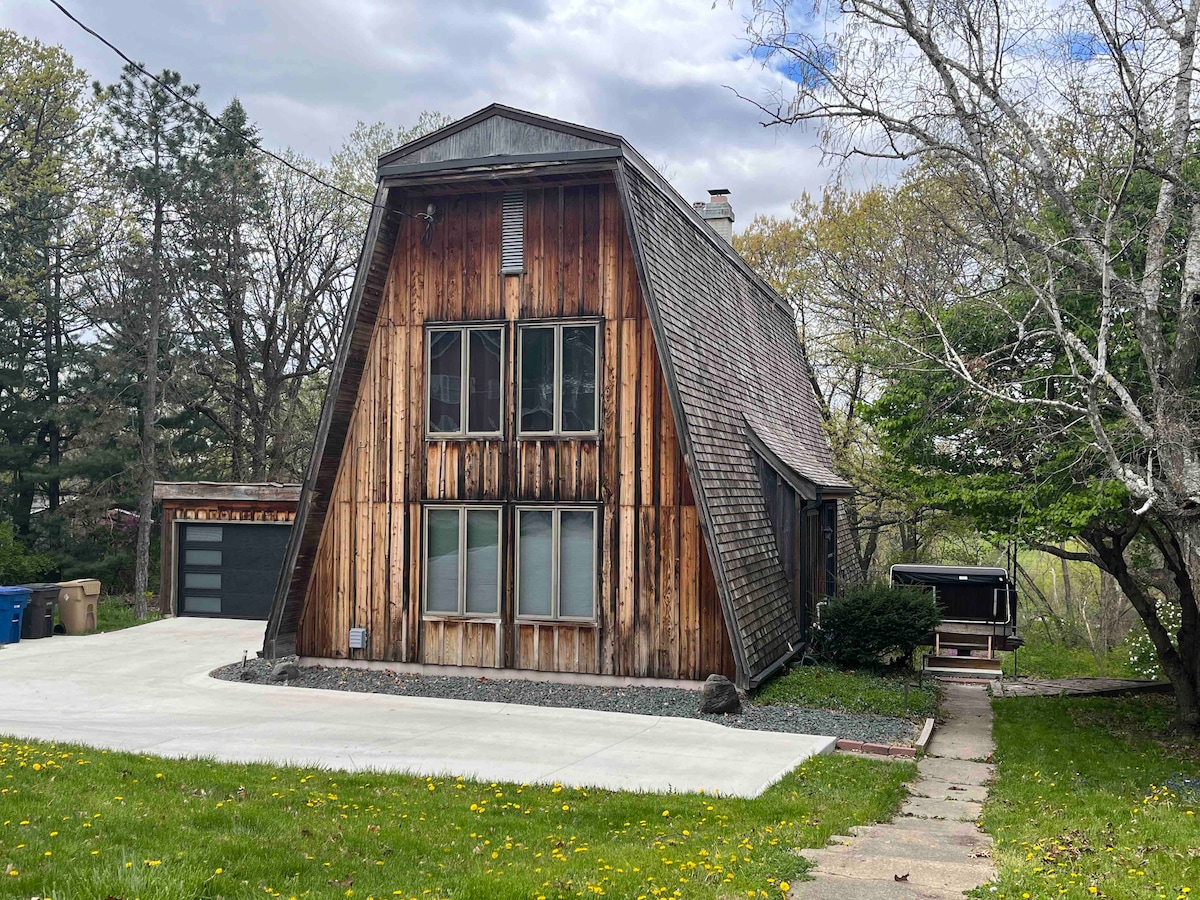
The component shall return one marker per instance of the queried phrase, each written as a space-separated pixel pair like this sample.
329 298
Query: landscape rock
650 700
719 696
285 671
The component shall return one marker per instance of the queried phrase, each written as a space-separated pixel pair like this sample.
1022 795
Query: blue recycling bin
13 601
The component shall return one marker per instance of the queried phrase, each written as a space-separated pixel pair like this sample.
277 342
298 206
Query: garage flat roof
226 490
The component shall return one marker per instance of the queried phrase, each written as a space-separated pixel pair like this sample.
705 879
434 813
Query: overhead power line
198 107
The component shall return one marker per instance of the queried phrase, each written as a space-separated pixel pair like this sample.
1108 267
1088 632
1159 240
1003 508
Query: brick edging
890 749
877 749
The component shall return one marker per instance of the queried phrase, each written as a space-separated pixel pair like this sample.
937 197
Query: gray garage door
229 570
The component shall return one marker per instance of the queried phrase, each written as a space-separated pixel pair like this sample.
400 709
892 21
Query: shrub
873 622
19 564
1143 658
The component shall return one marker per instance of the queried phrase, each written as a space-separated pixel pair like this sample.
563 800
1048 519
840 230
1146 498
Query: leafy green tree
45 129
838 263
1064 365
355 163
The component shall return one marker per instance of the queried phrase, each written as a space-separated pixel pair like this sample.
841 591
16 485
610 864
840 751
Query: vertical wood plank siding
658 614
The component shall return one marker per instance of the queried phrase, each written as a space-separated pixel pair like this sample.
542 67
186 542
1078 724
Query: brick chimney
717 212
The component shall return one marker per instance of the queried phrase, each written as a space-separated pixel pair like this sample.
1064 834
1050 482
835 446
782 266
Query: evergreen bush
875 623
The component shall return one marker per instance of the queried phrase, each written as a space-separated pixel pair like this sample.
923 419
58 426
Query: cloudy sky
654 71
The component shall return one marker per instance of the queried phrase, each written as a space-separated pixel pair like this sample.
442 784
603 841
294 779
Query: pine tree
151 138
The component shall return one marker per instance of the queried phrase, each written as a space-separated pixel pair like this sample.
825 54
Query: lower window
556 562
462 560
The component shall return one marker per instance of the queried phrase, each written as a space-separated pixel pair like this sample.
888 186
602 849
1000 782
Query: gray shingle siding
726 340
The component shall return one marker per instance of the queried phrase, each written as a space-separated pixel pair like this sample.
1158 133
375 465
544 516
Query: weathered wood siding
658 611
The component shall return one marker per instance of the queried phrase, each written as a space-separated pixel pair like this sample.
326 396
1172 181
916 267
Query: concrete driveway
147 690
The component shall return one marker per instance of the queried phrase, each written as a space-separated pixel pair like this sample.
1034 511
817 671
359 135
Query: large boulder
719 696
285 671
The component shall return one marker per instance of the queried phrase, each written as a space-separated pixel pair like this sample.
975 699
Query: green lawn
826 687
79 824
1091 801
115 612
1039 659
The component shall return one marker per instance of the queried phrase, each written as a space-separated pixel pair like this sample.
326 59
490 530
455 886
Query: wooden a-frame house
568 429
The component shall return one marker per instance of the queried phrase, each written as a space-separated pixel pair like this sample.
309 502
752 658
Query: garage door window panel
202 604
211 533
202 557
204 581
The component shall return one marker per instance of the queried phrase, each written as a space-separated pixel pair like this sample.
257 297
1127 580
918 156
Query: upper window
462 560
556 563
464 392
559 366
512 238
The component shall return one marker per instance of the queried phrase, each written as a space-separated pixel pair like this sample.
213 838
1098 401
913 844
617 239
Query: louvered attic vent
512 247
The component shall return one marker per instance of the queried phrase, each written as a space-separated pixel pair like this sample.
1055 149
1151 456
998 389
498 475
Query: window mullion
462 561
596 376
499 562
558 370
554 560
464 399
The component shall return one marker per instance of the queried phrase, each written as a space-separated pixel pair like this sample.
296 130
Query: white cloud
655 72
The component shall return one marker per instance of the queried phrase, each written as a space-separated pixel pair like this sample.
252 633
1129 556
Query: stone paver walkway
1078 687
933 851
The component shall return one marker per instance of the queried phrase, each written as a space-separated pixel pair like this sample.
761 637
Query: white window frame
558 325
464 398
557 510
462 509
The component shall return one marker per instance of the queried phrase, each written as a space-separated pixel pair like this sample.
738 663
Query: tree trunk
1182 665
148 442
53 348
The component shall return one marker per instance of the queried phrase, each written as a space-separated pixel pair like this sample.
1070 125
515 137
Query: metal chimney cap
718 192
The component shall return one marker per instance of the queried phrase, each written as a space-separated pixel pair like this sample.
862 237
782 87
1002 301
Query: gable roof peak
499 130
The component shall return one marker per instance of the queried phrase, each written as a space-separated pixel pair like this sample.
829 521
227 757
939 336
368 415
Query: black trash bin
38 618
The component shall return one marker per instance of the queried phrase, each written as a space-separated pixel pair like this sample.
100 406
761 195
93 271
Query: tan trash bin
77 605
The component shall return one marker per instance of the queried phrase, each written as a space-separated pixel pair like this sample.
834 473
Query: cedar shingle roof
738 380
734 359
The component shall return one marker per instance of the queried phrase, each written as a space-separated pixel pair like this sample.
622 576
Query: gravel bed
647 700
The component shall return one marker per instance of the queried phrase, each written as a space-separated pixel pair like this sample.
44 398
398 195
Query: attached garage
223 545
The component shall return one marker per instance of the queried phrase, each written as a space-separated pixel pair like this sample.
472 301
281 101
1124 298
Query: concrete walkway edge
933 850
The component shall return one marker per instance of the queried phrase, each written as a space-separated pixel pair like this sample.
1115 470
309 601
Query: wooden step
963 638
962 665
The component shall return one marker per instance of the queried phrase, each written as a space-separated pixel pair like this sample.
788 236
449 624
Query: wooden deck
1078 687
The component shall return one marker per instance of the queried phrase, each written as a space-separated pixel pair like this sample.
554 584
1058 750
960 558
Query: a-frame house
568 429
